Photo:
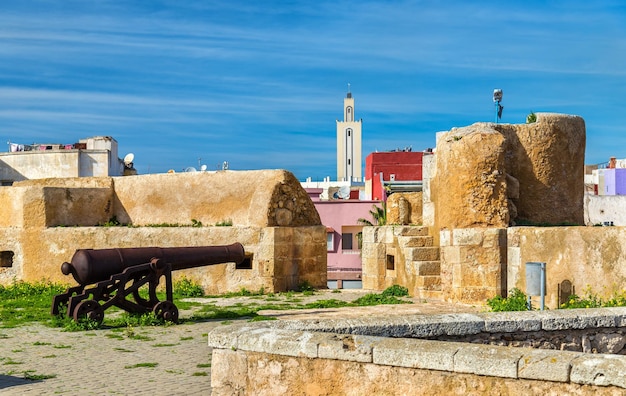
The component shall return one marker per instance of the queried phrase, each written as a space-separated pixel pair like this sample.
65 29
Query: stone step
422 253
410 231
428 282
415 241
430 294
427 268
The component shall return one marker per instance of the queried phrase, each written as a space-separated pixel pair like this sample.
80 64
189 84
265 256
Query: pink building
340 216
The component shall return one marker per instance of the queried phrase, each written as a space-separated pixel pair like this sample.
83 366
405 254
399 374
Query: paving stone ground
171 360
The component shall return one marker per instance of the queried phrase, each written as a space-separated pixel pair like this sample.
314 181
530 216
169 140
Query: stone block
487 360
427 268
415 241
601 370
422 354
281 342
428 214
229 372
509 322
546 365
445 238
578 319
422 253
349 347
467 236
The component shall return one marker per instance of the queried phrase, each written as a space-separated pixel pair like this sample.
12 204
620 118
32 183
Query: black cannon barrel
89 266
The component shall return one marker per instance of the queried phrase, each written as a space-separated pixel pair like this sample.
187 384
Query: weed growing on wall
593 300
516 301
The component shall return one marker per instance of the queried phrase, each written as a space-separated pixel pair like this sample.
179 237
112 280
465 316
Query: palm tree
379 214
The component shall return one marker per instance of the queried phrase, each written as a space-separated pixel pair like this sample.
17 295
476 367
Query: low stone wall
589 257
282 257
382 356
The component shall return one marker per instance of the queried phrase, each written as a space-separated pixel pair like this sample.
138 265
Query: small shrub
196 223
224 223
516 301
187 288
530 118
395 291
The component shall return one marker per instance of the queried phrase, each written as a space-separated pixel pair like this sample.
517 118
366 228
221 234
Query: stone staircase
422 261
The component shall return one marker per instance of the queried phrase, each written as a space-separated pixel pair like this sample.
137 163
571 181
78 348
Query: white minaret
349 143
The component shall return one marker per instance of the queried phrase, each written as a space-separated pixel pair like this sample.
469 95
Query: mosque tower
349 143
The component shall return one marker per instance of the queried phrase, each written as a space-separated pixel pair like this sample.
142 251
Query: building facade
392 171
94 156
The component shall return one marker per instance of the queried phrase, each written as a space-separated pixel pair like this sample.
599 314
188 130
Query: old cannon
106 277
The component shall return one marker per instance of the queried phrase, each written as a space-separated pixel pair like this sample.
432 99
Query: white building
94 156
349 144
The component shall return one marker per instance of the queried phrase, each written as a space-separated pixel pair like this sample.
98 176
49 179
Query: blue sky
260 83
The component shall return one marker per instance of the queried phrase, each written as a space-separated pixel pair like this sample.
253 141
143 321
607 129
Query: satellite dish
344 192
203 168
128 159
190 169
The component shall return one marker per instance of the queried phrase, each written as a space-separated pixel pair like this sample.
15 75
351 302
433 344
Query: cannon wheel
166 310
89 309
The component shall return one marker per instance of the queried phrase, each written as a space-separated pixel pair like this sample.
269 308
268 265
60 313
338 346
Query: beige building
94 156
349 143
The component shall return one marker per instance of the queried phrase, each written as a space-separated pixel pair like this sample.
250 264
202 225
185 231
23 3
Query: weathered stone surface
404 352
487 172
404 208
495 361
546 365
469 189
595 370
547 158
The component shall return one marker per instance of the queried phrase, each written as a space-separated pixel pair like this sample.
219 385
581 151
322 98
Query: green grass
149 365
24 303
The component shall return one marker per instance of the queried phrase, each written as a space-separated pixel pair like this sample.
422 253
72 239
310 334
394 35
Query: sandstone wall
45 221
235 372
473 264
592 257
252 198
282 258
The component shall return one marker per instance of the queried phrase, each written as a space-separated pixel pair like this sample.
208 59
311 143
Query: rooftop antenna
349 92
497 98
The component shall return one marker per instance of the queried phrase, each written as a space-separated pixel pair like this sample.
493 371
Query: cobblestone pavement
171 360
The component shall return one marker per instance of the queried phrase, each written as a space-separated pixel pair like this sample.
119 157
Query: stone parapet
391 343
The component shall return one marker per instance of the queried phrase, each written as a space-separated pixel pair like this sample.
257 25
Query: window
6 259
346 241
391 262
330 241
245 264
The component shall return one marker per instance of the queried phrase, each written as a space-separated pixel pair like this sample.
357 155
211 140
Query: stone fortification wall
592 257
45 221
254 198
381 355
493 175
282 258
473 264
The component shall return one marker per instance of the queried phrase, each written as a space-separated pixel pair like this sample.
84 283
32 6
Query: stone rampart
493 175
387 355
47 220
